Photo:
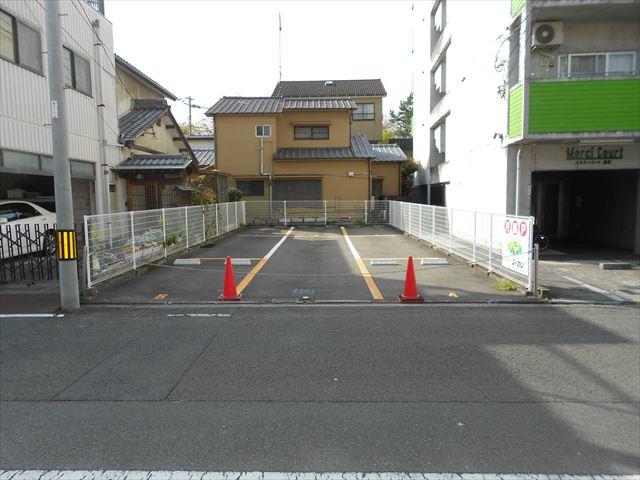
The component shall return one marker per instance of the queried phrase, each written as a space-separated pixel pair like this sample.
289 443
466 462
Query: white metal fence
499 243
121 242
320 212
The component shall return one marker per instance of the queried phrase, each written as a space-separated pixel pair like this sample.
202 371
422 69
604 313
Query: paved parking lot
324 264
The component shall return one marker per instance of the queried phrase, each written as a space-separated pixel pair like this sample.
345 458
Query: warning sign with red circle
515 241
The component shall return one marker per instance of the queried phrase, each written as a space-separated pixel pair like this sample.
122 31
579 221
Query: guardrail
499 243
120 242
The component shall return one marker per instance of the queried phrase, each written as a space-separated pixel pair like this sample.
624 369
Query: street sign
515 245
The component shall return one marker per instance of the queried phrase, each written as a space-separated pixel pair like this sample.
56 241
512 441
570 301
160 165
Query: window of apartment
311 133
77 71
19 43
365 111
263 130
514 53
438 138
438 17
251 188
595 64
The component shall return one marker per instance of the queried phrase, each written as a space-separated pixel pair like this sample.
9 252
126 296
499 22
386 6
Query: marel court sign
595 153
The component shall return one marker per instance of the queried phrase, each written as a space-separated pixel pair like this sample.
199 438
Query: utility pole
65 229
279 47
190 99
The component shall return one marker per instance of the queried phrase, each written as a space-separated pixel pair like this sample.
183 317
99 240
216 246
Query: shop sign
596 155
515 245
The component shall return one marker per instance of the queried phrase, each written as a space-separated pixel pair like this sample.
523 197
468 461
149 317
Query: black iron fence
28 253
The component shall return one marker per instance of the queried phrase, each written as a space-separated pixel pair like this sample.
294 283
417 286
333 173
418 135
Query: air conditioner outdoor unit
547 34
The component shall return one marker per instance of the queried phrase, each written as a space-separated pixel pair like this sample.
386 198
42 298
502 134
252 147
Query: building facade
26 169
542 119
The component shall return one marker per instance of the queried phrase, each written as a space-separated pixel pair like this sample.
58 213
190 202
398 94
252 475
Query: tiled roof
143 114
388 152
359 148
165 161
274 106
206 156
330 88
145 78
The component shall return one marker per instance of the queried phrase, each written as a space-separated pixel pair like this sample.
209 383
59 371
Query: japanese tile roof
388 152
142 115
152 161
330 88
145 78
359 148
275 106
206 156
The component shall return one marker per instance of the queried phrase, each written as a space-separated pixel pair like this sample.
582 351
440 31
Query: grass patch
505 285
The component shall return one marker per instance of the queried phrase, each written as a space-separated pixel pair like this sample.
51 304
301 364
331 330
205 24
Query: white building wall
25 114
475 165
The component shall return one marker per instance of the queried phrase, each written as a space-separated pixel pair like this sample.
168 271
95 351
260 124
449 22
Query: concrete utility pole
65 230
190 99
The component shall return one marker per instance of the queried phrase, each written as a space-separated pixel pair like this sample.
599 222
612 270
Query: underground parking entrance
308 264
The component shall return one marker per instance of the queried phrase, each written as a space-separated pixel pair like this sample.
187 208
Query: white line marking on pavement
201 475
198 315
31 315
594 289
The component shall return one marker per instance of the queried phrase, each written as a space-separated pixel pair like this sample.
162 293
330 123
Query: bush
234 194
505 285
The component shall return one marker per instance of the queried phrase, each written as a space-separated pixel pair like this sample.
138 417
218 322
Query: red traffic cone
410 292
230 294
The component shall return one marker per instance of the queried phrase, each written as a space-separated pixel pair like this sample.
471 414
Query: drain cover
434 261
304 294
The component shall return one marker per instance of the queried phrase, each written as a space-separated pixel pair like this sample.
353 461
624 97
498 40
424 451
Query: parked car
26 228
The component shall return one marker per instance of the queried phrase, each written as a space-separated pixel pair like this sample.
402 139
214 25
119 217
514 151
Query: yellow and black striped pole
67 247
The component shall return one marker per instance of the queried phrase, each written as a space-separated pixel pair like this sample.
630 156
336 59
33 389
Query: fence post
536 257
227 217
433 225
285 213
366 207
473 256
204 229
87 262
244 212
186 225
217 231
419 221
164 233
325 212
451 232
133 242
235 206
490 240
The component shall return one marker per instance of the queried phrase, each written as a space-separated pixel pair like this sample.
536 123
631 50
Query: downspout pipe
270 175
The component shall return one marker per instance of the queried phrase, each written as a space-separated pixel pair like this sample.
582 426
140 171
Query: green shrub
505 285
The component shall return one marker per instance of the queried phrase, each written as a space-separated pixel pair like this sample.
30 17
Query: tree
400 123
201 127
407 169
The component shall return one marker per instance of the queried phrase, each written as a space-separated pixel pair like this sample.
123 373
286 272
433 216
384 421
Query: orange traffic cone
230 293
410 292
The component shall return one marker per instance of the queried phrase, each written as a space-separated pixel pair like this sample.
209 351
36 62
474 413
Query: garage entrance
587 207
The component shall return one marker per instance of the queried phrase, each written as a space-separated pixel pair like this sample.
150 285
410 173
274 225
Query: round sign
523 229
507 226
514 227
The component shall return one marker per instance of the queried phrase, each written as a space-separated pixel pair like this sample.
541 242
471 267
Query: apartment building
533 110
26 169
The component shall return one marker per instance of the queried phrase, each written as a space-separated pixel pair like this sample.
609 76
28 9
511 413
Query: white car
26 228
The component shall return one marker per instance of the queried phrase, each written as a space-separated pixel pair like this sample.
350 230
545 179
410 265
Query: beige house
296 149
366 94
157 159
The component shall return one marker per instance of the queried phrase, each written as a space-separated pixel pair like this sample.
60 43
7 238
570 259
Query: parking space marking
368 279
594 289
254 271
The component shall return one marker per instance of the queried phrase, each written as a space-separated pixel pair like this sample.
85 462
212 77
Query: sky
211 48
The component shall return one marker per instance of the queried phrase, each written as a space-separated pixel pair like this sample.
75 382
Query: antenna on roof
279 47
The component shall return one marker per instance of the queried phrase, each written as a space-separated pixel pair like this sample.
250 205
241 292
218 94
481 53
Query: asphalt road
431 388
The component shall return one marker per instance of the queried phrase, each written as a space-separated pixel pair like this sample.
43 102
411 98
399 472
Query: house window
263 130
297 190
19 43
311 133
251 188
365 111
77 71
376 187
596 64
